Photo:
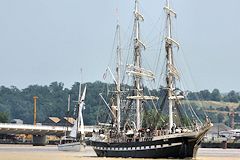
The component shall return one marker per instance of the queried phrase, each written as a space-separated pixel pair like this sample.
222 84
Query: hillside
215 104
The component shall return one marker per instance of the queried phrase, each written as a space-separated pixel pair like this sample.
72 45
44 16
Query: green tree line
52 101
215 95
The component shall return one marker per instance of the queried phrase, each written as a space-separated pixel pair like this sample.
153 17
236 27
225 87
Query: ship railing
161 132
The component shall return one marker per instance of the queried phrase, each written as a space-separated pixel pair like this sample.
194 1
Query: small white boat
71 143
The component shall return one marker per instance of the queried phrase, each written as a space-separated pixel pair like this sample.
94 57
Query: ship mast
118 79
68 110
137 62
136 68
171 70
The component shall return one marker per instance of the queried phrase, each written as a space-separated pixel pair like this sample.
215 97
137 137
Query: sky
43 41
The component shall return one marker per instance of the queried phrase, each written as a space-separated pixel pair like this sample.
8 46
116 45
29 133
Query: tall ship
163 130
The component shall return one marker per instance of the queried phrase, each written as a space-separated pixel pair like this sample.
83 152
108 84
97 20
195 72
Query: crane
35 110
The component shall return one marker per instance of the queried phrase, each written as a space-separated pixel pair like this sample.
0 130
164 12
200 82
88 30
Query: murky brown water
28 152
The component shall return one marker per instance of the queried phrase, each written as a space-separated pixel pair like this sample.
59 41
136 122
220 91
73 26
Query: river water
28 152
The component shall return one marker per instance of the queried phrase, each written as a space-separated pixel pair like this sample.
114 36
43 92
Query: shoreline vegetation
52 101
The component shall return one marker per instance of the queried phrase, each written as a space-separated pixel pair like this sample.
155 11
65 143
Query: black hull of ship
175 149
171 146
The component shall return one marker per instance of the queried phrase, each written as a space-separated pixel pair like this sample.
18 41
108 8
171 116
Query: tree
153 119
215 95
205 95
220 118
3 117
232 96
192 96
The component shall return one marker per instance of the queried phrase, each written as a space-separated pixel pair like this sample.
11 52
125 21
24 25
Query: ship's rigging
126 133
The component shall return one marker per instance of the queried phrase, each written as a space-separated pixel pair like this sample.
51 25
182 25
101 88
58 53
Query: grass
215 104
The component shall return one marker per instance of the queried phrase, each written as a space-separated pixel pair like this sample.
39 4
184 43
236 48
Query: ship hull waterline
175 146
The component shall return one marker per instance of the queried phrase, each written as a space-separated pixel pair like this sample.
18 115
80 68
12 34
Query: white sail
73 132
80 116
75 127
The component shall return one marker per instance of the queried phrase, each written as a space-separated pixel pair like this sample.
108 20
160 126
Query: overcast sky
42 41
